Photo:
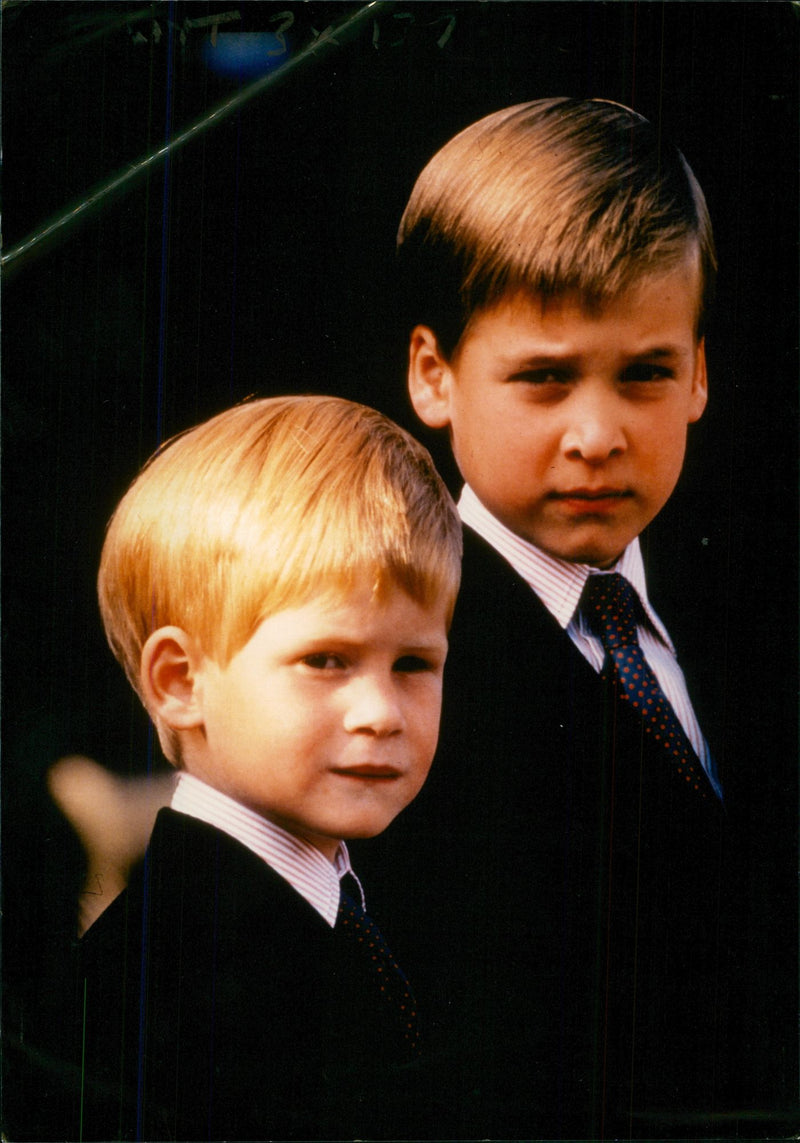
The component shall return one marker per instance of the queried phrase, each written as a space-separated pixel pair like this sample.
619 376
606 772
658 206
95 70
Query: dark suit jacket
215 1003
584 978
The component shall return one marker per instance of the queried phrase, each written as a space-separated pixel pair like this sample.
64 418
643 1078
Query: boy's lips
367 770
602 493
591 499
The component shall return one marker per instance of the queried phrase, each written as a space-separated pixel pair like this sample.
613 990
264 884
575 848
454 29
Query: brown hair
553 196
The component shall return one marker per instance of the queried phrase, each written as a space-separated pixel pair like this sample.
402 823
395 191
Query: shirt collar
558 583
300 863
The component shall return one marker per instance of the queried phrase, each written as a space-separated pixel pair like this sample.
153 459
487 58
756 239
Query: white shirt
559 584
297 861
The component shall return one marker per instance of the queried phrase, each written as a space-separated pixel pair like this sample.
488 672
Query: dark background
259 259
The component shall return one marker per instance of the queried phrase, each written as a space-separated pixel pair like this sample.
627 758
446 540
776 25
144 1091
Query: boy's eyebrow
568 356
661 351
345 642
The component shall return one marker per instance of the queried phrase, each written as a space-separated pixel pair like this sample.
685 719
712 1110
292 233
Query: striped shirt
297 861
559 584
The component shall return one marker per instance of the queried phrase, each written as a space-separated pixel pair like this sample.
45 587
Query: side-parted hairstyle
262 508
555 196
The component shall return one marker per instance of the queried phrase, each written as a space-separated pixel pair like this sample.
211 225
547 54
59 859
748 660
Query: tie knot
609 607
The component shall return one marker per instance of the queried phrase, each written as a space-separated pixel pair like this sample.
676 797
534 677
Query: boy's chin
594 555
602 561
366 830
598 547
597 539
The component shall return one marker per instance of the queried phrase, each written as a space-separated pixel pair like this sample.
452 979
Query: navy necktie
388 977
609 607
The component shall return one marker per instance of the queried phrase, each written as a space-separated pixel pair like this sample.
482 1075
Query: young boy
559 260
278 584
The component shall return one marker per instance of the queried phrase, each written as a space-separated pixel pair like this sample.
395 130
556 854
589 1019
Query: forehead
365 592
652 306
361 617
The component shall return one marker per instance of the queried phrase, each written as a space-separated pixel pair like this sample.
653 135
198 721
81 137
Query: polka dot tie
389 977
609 607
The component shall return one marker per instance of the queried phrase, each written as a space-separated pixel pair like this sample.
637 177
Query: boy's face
570 425
326 721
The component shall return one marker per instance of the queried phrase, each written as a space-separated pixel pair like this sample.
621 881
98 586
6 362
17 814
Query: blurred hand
113 818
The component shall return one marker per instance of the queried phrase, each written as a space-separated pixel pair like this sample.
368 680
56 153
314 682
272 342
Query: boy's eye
646 372
323 661
410 664
542 376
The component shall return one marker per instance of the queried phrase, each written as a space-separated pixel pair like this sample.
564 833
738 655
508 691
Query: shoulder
482 562
492 593
200 898
200 870
500 626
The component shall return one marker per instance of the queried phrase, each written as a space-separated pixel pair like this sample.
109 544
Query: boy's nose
373 708
595 432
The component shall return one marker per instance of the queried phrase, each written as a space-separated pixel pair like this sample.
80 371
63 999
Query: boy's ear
169 673
429 378
699 395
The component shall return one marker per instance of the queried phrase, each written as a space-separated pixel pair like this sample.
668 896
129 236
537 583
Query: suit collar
301 864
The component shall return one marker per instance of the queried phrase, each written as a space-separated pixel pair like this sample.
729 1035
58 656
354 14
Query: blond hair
553 196
265 506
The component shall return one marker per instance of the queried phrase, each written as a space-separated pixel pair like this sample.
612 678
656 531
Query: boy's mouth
591 499
598 503
592 494
381 773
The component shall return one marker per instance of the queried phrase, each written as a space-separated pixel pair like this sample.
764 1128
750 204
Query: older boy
278 584
559 261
